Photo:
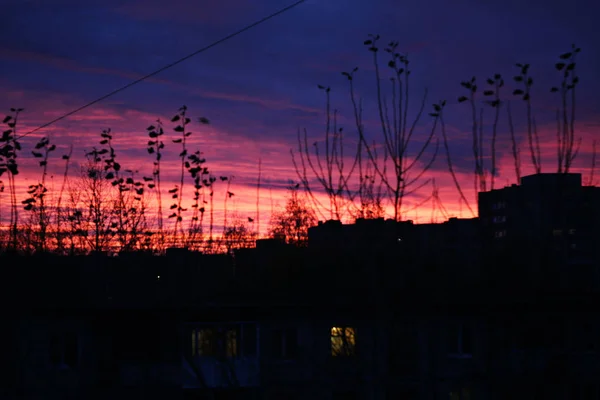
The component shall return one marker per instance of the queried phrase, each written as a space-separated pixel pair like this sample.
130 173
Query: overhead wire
203 49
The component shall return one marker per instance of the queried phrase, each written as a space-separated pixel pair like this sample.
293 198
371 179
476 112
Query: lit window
557 232
343 341
231 343
464 394
204 342
216 342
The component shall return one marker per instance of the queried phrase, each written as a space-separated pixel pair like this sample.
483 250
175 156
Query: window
343 341
499 234
204 342
460 394
64 350
499 219
224 341
460 341
285 344
499 205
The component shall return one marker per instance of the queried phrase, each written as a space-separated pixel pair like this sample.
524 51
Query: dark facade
372 310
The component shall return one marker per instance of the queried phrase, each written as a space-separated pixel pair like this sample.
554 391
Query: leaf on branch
518 92
560 66
462 99
565 56
488 92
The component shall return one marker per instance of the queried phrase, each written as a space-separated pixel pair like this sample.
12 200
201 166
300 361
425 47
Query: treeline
392 160
105 207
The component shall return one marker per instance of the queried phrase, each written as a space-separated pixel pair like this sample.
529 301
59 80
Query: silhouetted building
544 229
372 310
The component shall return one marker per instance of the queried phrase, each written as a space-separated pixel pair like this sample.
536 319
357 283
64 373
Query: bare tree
515 150
567 149
525 79
238 235
9 146
59 217
326 165
397 131
294 220
476 134
94 220
156 146
36 202
590 181
258 197
496 83
439 115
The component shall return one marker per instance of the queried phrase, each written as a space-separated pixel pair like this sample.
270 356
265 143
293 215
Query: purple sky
260 87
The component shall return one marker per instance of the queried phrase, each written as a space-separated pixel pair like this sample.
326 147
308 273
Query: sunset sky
259 88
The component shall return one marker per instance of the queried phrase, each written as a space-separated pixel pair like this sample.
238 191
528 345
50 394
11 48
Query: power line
91 103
